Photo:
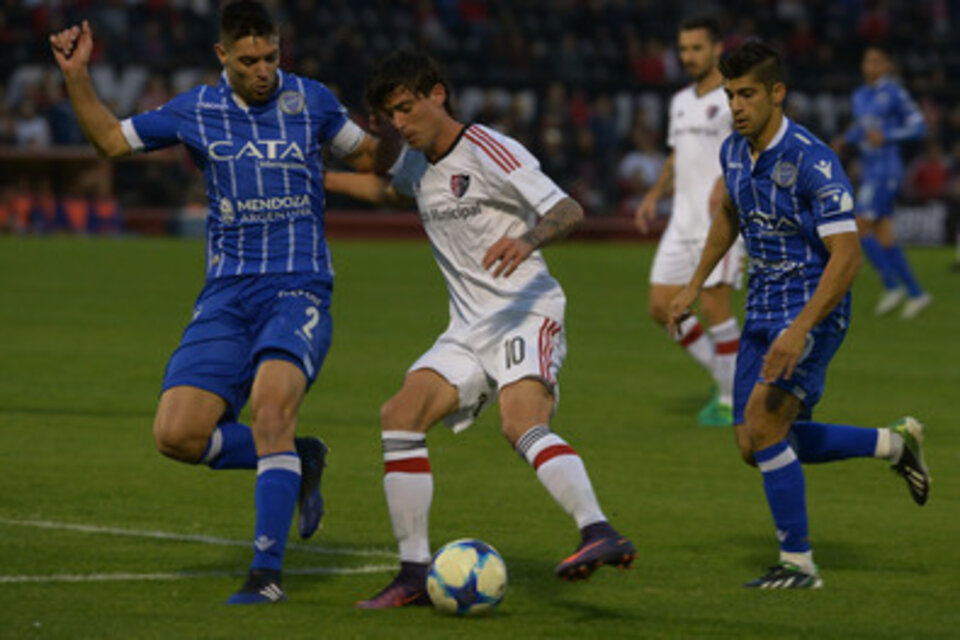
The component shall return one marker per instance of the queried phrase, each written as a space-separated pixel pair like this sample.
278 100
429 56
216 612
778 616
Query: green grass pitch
86 326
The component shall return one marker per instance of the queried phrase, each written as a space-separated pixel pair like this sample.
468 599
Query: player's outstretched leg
408 588
562 472
263 586
313 459
600 545
910 465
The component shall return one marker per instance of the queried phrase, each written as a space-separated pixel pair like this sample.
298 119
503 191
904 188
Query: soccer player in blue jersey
261 325
884 117
788 196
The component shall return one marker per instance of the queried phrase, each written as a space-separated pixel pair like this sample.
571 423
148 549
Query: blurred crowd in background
583 83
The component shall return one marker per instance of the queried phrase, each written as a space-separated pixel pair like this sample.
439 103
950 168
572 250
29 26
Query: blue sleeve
909 124
826 188
162 127
407 172
329 113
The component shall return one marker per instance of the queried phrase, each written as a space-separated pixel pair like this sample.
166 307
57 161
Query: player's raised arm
723 233
562 218
71 49
647 209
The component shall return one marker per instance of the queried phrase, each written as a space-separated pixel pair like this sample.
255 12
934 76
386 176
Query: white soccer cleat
889 301
914 306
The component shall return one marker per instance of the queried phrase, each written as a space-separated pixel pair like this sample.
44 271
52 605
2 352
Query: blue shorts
875 198
240 321
808 377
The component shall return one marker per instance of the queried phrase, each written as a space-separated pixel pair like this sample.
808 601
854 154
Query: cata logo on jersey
459 184
257 149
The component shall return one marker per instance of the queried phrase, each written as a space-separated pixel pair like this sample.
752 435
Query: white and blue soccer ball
467 577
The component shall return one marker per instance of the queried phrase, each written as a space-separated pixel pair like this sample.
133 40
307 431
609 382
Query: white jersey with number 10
485 187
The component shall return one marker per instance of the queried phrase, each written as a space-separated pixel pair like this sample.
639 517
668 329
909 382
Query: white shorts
482 358
676 260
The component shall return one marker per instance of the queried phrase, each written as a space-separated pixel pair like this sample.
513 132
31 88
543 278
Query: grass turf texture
86 326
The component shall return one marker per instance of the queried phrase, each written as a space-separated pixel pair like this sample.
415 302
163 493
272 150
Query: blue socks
231 447
786 494
278 484
878 258
899 265
822 442
891 263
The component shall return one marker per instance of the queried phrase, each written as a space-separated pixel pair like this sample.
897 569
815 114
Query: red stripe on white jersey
408 465
493 148
552 452
501 148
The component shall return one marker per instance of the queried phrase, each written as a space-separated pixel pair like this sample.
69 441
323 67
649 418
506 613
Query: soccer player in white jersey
699 122
487 209
261 326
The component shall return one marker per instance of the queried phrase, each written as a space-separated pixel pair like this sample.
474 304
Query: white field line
181 537
183 575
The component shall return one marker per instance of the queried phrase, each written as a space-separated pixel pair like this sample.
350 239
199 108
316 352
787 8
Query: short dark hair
879 47
756 58
408 68
246 18
707 23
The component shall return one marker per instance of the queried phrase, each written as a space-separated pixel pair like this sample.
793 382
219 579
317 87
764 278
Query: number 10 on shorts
514 350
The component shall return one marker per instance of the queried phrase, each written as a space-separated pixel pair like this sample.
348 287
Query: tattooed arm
558 222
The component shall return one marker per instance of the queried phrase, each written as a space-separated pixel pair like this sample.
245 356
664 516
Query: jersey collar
781 132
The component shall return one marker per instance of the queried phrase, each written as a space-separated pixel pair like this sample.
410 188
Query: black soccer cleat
614 550
262 587
313 459
408 589
911 466
786 575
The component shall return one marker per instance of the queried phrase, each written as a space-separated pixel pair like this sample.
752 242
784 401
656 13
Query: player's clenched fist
72 47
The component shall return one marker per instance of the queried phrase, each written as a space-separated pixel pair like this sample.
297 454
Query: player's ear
221 52
779 93
438 93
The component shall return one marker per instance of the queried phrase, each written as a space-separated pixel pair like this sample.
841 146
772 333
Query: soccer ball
466 577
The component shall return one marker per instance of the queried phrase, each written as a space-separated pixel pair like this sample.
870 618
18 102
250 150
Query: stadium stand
583 83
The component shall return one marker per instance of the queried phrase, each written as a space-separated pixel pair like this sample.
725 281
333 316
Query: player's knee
176 439
395 416
273 417
657 310
746 454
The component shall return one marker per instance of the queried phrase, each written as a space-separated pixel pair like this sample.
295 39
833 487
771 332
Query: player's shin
278 483
690 336
783 483
408 485
878 258
824 442
561 470
726 342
